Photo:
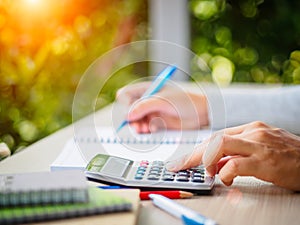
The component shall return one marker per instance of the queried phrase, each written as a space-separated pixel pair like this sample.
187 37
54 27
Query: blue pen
110 187
188 216
156 85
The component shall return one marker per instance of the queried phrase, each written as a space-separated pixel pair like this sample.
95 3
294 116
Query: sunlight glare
33 2
35 9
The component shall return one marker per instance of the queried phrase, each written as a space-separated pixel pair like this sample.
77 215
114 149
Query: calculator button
169 174
197 174
154 172
144 165
145 162
198 179
168 177
142 172
153 177
139 176
156 168
142 168
198 170
183 173
157 163
182 178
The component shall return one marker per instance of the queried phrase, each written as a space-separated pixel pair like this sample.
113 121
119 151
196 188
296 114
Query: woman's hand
171 108
255 149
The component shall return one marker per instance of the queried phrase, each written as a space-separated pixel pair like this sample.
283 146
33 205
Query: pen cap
198 220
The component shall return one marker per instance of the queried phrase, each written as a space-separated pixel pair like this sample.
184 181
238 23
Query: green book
43 188
100 202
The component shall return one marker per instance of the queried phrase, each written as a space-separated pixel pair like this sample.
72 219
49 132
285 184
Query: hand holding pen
173 108
156 86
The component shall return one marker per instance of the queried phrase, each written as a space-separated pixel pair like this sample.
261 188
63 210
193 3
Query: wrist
201 105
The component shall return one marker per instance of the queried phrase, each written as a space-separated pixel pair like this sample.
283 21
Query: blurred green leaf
45 48
260 38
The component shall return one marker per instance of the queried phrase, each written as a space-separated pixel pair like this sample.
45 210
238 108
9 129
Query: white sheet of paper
126 144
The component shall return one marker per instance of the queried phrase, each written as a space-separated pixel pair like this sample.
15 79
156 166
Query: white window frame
169 21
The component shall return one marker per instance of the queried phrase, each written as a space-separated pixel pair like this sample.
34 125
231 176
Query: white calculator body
147 174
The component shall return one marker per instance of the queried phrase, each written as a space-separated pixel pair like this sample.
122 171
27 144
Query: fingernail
211 171
177 164
171 165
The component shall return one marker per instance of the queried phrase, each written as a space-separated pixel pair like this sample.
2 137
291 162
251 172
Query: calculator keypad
156 171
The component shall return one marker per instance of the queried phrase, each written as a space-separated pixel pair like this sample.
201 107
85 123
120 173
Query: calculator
146 174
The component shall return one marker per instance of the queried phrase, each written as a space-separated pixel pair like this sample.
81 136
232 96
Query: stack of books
34 197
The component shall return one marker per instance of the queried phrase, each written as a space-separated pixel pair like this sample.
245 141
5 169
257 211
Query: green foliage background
258 40
45 50
45 47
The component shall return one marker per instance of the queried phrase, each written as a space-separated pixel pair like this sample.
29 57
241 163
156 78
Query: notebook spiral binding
141 140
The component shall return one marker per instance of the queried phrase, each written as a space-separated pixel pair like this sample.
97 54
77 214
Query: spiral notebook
101 202
43 188
163 145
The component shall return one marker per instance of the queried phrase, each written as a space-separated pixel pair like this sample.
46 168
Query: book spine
10 199
61 213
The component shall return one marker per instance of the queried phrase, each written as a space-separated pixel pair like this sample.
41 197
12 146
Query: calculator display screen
115 166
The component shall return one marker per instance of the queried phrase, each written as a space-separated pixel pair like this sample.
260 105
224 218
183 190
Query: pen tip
118 129
121 125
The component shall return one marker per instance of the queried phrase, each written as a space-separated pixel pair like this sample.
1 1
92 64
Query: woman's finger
130 93
176 164
148 106
211 151
189 160
223 161
212 170
225 145
235 130
246 129
238 166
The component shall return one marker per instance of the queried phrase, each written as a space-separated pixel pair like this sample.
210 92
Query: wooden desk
248 201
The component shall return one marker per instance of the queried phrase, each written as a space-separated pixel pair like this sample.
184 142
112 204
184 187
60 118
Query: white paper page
69 158
159 146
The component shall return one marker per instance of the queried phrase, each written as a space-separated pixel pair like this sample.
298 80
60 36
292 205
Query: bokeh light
222 70
259 39
32 2
207 9
45 47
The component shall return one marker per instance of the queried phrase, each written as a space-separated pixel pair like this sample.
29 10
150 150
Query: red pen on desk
144 195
